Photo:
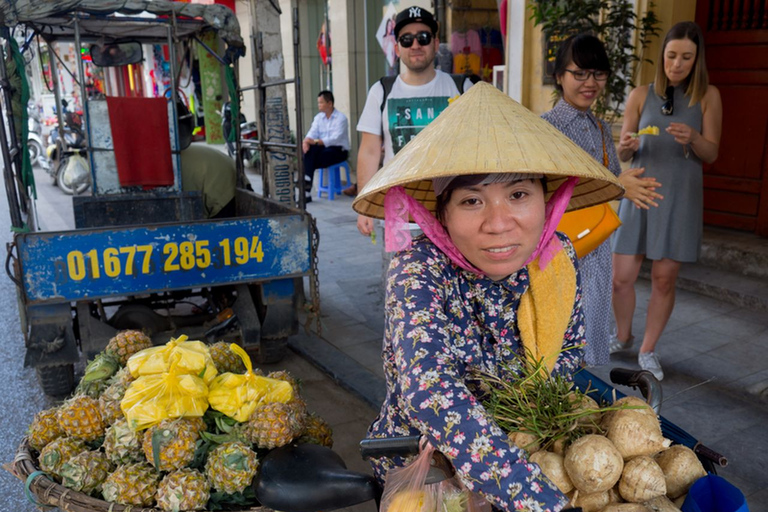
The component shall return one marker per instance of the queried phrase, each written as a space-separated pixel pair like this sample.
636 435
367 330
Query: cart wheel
56 380
272 350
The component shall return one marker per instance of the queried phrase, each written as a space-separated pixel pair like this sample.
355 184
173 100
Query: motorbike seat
308 478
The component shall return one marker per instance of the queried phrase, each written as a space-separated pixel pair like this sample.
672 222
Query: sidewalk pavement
712 352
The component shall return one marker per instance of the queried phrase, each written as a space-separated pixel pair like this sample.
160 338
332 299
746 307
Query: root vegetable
636 433
681 469
525 441
558 446
626 507
552 466
679 501
593 463
641 480
593 502
584 404
633 401
661 504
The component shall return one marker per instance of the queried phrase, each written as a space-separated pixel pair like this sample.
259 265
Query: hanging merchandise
385 35
324 45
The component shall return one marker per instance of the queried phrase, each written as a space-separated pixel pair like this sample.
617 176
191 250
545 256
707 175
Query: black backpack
388 81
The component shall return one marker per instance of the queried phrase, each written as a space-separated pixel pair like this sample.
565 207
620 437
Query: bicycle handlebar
649 385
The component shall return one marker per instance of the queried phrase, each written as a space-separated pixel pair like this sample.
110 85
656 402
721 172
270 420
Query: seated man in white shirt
326 143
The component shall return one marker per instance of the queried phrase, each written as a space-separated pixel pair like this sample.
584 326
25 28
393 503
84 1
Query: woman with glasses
688 112
581 73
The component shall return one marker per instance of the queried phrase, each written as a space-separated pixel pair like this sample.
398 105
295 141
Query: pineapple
80 417
132 484
175 439
231 467
97 375
85 472
184 489
284 375
317 431
276 424
44 428
224 359
59 451
127 343
122 444
109 401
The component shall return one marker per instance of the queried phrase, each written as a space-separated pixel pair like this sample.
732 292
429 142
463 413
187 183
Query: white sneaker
650 361
616 345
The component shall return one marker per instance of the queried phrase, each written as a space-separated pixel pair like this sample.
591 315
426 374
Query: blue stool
330 180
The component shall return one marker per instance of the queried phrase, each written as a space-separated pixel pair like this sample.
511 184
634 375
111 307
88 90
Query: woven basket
48 493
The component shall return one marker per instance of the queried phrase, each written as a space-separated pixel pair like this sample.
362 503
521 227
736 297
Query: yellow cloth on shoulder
545 308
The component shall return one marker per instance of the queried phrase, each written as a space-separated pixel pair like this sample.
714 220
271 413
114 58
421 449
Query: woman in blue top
489 282
581 73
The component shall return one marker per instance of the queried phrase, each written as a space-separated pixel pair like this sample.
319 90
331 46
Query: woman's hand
628 144
682 133
641 191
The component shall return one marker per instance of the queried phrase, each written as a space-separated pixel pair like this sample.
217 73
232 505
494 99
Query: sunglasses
668 107
582 75
423 38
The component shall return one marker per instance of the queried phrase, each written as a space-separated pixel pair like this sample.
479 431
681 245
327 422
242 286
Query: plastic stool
330 180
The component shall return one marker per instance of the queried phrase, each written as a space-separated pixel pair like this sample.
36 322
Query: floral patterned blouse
443 323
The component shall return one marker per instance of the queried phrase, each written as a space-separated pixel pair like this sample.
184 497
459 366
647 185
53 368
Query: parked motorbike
248 132
67 155
35 143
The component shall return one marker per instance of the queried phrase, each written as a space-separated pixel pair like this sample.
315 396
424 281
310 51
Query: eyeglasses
668 107
423 38
582 75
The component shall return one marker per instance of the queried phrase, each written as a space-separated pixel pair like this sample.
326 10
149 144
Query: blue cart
143 259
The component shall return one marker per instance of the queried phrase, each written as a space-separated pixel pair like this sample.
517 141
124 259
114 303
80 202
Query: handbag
589 227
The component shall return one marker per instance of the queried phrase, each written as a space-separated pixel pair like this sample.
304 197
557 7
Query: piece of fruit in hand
649 130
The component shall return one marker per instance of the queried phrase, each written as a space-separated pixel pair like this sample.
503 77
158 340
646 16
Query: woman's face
679 59
498 226
580 95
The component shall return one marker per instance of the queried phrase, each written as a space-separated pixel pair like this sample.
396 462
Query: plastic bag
406 489
237 395
172 394
76 171
194 359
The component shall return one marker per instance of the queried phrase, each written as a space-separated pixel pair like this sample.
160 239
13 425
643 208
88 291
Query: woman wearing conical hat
489 282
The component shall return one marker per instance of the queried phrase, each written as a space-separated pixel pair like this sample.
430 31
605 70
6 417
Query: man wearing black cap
417 96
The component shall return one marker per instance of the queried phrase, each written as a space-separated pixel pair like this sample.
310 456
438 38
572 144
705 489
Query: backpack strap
386 82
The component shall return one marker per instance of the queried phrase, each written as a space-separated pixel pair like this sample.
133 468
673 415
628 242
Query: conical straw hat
485 131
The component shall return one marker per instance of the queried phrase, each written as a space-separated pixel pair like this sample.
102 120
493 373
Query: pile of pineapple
186 463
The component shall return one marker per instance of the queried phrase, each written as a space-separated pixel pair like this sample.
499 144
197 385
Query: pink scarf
399 206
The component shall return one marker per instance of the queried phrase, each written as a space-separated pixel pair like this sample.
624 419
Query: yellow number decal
93 257
225 252
203 253
131 252
111 262
256 252
172 251
76 265
187 252
241 250
147 250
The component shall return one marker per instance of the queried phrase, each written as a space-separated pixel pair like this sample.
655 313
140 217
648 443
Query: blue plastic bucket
713 493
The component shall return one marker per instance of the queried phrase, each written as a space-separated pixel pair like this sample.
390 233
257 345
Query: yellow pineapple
284 375
184 489
126 343
276 424
175 440
224 359
59 451
85 472
109 401
231 467
317 431
44 428
132 484
80 417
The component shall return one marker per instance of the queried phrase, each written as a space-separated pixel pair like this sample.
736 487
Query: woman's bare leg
663 279
626 267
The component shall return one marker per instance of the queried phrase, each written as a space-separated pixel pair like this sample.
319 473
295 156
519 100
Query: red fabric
140 135
503 17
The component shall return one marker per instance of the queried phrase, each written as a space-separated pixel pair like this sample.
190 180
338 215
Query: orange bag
589 227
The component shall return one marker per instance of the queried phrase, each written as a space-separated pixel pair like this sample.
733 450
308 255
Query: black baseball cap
414 15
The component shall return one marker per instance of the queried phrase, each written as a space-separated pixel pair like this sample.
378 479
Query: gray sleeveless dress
673 230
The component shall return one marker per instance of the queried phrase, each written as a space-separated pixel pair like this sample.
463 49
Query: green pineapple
224 359
98 372
317 431
126 343
276 424
231 467
44 428
122 444
184 489
80 417
59 451
109 401
85 472
175 440
132 484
